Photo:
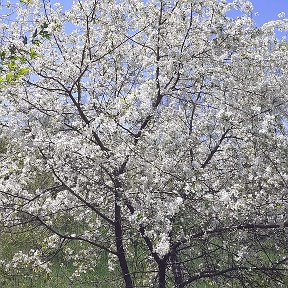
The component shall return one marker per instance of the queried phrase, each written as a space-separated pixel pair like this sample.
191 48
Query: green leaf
12 50
33 54
12 66
22 60
44 26
44 33
2 55
36 42
23 71
10 77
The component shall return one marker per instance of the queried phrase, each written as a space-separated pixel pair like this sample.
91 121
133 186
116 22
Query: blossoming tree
153 132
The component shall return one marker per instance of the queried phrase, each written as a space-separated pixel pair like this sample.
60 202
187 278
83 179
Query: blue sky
269 9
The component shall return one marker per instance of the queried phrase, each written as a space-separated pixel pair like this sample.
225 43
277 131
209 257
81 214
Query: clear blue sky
269 9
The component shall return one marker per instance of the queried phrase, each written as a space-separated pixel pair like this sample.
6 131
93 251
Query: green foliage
41 180
32 53
3 145
11 66
12 61
25 1
43 32
284 45
61 267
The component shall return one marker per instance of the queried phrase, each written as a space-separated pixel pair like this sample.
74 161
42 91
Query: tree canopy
151 134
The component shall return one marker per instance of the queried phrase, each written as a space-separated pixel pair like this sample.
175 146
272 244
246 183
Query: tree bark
162 273
119 245
176 269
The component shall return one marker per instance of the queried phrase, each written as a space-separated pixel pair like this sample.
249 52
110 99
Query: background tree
151 134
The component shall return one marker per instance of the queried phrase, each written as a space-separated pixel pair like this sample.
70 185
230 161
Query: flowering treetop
164 121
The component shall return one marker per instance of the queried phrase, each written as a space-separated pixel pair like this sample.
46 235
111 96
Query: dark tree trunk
176 269
119 245
162 273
